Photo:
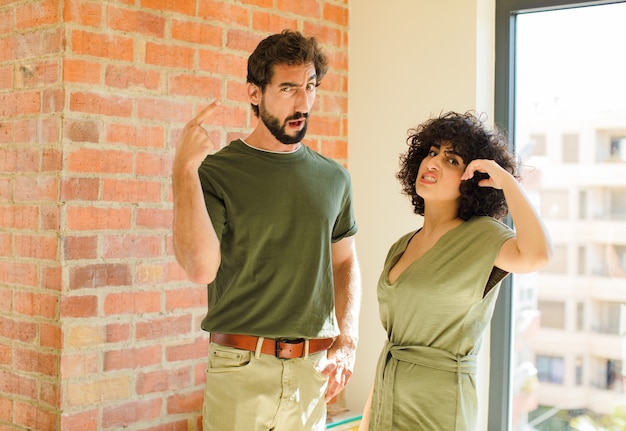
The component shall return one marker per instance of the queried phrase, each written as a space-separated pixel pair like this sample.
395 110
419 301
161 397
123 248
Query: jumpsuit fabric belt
419 355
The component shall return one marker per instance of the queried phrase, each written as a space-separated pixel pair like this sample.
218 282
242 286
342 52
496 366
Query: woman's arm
531 248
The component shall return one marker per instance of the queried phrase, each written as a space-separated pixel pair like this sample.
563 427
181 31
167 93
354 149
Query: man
268 224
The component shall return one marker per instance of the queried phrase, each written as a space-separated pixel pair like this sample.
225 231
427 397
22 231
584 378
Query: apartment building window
580 316
560 93
579 371
570 148
537 145
552 314
550 369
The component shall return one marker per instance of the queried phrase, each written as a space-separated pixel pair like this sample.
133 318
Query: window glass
569 343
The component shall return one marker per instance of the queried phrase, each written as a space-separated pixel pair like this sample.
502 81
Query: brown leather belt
280 348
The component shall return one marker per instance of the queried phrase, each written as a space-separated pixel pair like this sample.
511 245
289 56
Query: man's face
287 100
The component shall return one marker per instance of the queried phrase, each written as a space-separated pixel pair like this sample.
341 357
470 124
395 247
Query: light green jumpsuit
435 315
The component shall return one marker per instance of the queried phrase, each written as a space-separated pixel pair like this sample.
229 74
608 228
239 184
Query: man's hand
194 144
339 365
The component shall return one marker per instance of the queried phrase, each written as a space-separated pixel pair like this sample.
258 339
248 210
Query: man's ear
254 93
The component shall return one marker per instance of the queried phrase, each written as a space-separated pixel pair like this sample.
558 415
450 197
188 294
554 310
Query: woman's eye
453 162
432 153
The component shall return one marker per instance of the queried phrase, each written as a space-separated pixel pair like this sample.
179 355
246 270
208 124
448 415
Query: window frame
501 341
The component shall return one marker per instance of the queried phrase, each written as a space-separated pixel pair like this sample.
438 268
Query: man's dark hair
288 47
471 140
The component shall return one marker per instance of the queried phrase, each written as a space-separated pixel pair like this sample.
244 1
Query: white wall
408 60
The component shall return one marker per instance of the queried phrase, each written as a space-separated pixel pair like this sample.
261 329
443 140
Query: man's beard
278 130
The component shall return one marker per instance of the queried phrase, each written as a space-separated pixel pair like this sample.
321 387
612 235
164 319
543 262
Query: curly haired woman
440 282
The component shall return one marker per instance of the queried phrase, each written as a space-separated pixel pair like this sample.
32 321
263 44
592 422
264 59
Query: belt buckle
279 341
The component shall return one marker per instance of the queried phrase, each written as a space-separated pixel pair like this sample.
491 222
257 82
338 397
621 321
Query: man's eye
310 87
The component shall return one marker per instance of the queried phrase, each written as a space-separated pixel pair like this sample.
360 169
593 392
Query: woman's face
439 174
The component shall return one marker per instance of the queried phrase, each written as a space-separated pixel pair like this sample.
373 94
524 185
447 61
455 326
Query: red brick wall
99 329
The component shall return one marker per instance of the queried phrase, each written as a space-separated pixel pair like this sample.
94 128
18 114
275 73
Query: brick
7 21
77 365
335 149
135 21
80 189
157 165
163 327
132 358
269 22
197 32
171 379
26 332
188 297
6 184
337 14
34 417
325 126
117 332
223 12
176 425
80 247
82 71
35 304
37 13
82 420
19 274
154 218
241 40
136 135
103 104
6 75
164 110
51 159
52 100
186 7
41 188
35 361
307 8
79 306
146 274
81 130
97 391
84 336
123 415
5 355
50 394
85 13
52 277
223 63
6 297
6 409
99 275
119 76
36 74
125 190
132 303
129 246
91 161
50 336
176 56
193 85
20 103
197 350
94 218
104 45
14 383
40 42
185 402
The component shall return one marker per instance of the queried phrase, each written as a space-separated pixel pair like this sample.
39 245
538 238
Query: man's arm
196 246
347 279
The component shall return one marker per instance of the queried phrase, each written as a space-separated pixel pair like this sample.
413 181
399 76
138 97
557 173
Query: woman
439 283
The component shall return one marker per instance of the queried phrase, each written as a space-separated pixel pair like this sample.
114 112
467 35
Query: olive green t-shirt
276 215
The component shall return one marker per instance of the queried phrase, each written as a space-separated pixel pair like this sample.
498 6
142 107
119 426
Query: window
560 93
550 369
